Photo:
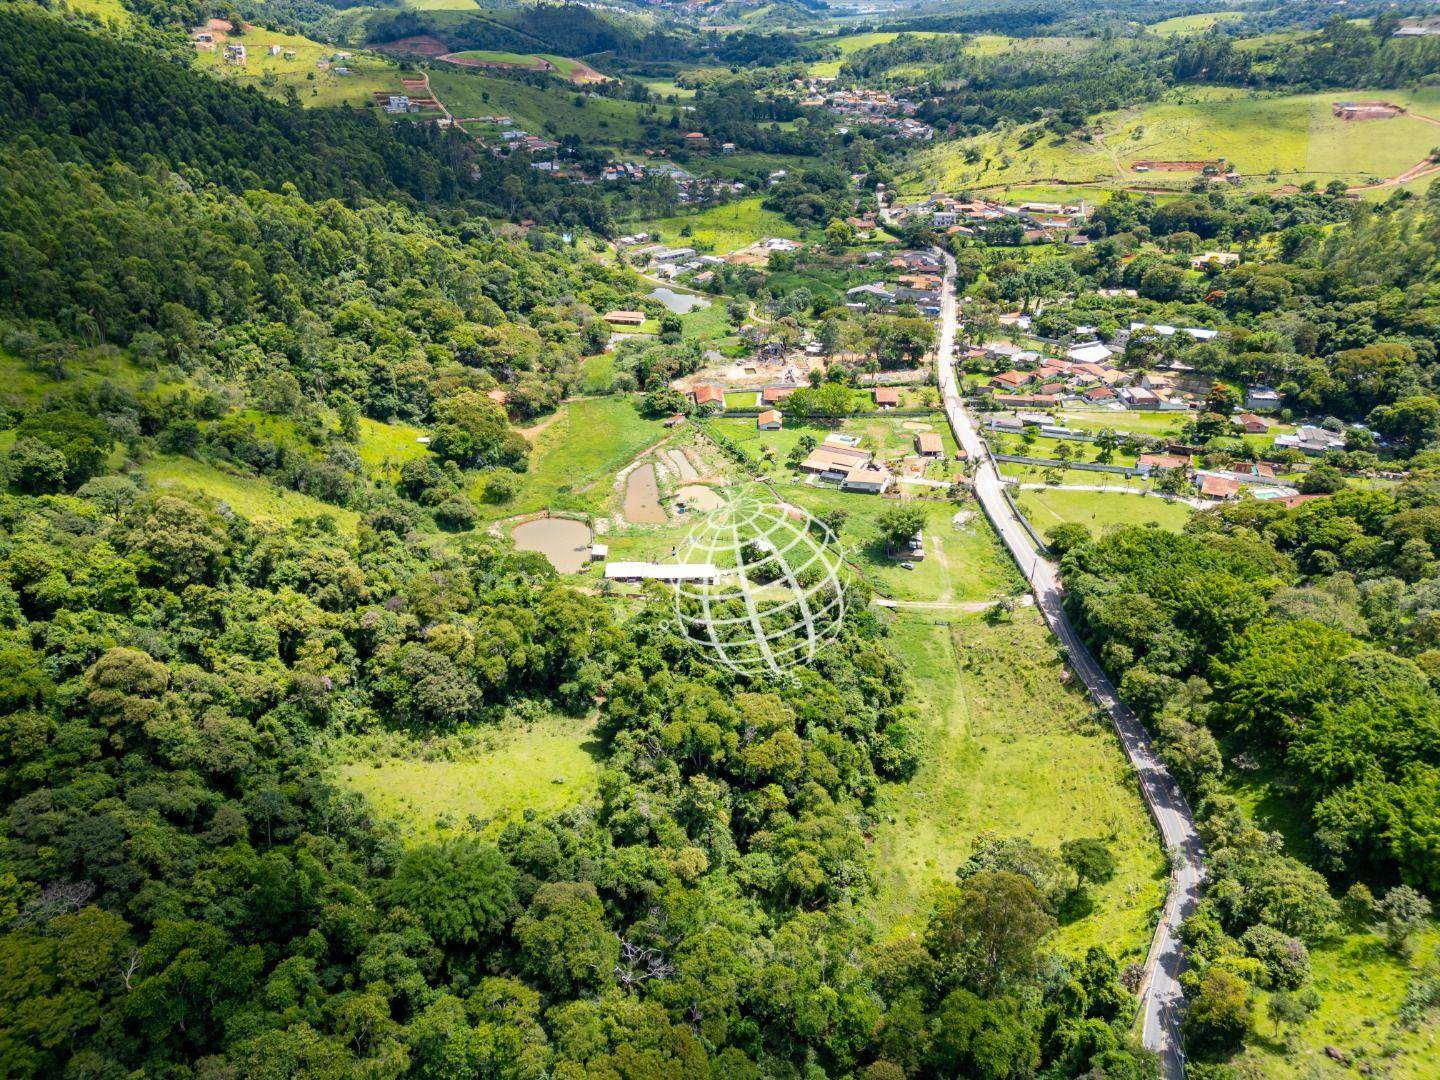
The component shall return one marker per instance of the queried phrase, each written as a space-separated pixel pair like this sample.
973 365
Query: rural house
709 396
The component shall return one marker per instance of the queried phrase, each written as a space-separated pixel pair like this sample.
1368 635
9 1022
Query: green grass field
727 227
1010 749
250 497
369 72
552 112
576 456
543 765
979 44
385 447
1099 510
1194 24
1362 985
105 10
1270 139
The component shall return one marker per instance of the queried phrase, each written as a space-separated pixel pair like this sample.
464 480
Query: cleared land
1011 749
1099 510
297 66
544 765
575 71
728 227
1271 140
555 113
576 456
1194 24
385 447
250 497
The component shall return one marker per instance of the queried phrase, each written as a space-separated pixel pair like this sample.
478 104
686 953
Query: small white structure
1092 352
706 573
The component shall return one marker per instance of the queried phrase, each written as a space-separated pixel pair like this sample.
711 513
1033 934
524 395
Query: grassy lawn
1361 983
1010 749
555 112
1036 474
104 10
1099 510
729 227
1140 423
1043 446
385 447
543 765
1194 24
884 435
250 497
576 456
295 66
1294 137
964 562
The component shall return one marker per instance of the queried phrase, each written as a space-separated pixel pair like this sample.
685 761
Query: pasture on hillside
576 454
555 112
1194 24
1013 749
491 774
297 66
1271 140
722 228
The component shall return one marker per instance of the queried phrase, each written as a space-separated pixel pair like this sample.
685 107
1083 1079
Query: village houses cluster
865 107
1040 222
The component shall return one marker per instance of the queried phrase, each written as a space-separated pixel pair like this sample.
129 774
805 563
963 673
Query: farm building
929 445
887 397
866 480
1217 487
834 462
624 318
769 420
1162 461
772 394
709 396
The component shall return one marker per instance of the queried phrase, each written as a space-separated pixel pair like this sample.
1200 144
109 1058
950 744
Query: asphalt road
1161 998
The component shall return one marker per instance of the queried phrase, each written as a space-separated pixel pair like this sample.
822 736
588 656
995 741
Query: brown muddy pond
564 542
642 497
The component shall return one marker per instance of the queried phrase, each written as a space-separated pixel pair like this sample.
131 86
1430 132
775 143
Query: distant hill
565 29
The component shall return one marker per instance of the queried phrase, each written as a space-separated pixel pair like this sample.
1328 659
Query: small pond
642 497
564 542
678 302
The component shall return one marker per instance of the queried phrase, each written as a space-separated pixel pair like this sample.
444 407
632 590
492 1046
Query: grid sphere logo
776 598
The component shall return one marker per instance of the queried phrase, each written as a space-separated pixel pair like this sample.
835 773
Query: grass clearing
555 111
576 456
1194 24
727 227
385 447
964 562
105 10
541 765
1100 510
1011 748
297 65
1270 139
250 497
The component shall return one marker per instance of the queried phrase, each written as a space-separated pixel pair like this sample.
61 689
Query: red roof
1218 487
706 393
887 395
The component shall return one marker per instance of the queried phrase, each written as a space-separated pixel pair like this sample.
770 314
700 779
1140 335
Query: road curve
1161 999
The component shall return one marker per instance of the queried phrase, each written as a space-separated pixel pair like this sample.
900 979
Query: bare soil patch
419 45
1178 166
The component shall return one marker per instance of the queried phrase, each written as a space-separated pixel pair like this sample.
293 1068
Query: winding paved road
1161 999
